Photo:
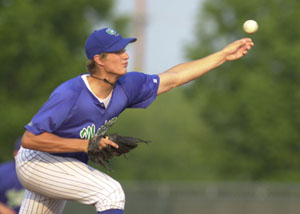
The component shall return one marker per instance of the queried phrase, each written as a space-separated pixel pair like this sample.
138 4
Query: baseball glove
102 156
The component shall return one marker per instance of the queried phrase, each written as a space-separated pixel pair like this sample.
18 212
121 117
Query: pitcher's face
116 62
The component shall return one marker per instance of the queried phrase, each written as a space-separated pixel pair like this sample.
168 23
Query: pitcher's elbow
26 140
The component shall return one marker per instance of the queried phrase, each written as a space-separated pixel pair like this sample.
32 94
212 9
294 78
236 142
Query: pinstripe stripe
56 184
50 177
61 182
40 204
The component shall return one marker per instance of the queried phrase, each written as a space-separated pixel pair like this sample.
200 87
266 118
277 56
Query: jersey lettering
89 132
107 124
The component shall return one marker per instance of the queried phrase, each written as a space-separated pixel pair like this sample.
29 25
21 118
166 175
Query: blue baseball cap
106 40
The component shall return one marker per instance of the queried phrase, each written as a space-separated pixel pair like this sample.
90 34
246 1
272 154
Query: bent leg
68 179
35 203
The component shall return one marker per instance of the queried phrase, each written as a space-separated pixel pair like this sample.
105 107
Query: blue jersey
72 111
11 190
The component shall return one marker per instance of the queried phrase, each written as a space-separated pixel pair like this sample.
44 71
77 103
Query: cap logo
112 32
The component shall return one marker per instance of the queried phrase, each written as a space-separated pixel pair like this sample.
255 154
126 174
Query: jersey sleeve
141 89
52 114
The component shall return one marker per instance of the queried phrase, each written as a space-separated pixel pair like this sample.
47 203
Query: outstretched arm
186 72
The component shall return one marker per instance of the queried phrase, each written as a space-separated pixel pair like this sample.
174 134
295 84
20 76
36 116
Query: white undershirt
106 100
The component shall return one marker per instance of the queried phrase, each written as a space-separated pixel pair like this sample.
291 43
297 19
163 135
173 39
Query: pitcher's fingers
107 141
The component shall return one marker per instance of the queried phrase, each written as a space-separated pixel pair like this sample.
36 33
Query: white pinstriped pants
51 180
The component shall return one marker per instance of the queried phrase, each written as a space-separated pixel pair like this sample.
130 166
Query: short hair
91 64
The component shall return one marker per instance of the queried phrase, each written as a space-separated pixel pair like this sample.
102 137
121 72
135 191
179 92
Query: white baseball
250 26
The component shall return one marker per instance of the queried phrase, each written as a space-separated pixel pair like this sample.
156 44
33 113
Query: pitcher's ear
98 59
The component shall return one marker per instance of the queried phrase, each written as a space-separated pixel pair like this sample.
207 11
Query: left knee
115 198
117 194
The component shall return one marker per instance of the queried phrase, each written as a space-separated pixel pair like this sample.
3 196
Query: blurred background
228 142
